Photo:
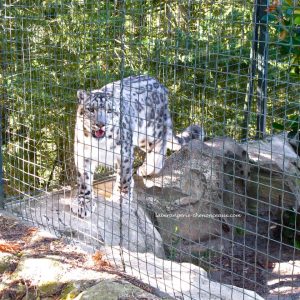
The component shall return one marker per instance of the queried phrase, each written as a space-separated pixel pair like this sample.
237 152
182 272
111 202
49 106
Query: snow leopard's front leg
85 177
124 165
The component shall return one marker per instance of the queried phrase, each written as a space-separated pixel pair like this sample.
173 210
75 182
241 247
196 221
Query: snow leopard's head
97 110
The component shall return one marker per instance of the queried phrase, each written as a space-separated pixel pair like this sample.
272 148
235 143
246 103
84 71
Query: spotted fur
113 120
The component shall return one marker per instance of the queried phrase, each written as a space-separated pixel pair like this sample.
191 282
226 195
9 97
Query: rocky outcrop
219 187
115 289
109 224
275 173
199 195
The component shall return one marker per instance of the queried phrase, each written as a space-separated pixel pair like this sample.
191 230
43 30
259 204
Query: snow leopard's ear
82 97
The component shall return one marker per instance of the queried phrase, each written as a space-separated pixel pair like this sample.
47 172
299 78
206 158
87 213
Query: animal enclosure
226 198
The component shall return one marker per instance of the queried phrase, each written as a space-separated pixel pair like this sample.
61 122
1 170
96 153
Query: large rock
193 198
128 226
108 225
217 188
275 172
115 289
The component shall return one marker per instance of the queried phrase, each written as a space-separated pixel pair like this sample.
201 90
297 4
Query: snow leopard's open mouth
100 133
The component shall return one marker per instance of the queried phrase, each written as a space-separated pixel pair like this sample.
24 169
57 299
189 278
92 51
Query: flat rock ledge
179 280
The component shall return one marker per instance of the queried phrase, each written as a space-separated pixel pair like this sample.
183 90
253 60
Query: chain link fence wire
229 204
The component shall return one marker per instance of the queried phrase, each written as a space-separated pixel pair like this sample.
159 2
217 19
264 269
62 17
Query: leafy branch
284 17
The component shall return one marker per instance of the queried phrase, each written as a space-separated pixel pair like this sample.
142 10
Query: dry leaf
282 35
31 231
99 260
272 7
9 247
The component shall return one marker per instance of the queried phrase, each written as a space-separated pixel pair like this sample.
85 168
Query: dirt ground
272 270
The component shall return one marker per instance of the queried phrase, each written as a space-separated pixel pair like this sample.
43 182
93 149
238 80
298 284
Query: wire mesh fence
165 132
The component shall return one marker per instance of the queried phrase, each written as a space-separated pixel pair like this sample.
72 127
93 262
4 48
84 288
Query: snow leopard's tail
175 142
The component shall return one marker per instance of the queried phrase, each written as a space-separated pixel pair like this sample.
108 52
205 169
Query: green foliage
239 230
291 228
291 124
284 17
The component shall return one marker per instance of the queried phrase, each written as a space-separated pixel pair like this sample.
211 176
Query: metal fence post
262 66
2 106
252 72
1 165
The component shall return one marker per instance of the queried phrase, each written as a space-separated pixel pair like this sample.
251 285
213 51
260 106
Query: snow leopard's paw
83 208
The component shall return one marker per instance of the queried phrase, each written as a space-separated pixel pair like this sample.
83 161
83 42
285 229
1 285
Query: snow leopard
111 121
